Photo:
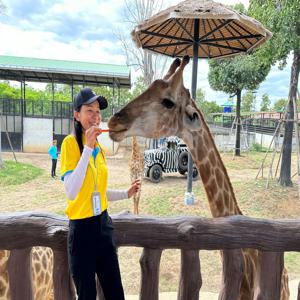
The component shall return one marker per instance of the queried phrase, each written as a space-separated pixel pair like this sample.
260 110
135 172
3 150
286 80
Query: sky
86 31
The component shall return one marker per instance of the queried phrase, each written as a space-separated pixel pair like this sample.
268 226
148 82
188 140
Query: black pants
53 169
92 251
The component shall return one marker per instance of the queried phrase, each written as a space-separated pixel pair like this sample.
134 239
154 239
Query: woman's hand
91 135
134 188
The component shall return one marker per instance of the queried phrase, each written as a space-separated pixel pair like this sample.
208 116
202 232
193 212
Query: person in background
91 248
53 154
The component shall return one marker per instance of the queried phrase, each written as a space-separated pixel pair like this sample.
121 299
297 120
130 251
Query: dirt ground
47 194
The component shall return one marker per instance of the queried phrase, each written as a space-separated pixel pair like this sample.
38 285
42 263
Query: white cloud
43 44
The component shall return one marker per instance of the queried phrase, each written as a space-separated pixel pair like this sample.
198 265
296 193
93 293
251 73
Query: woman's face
89 115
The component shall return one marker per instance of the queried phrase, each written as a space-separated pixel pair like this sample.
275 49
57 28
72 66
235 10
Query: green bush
258 148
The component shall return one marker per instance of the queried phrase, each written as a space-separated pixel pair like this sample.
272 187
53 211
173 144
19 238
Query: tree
207 107
139 87
2 9
62 92
265 103
248 102
282 17
280 105
240 7
8 91
232 76
151 65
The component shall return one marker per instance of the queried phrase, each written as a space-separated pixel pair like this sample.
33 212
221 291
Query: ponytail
78 134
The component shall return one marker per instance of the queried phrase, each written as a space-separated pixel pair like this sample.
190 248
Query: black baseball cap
87 96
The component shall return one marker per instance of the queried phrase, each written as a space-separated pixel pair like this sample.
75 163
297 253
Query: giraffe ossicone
165 109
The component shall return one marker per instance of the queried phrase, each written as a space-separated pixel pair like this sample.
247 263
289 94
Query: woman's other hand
134 188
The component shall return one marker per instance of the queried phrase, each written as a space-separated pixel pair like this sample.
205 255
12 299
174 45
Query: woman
91 249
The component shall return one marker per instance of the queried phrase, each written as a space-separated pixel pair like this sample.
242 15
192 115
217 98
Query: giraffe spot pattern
219 178
2 288
205 172
212 159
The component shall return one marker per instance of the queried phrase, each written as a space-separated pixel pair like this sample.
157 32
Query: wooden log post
298 298
232 274
150 262
16 232
19 274
190 276
268 279
24 230
62 282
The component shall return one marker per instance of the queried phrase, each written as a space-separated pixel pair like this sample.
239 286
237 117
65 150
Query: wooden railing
21 231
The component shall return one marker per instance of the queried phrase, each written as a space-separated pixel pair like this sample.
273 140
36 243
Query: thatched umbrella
200 29
203 28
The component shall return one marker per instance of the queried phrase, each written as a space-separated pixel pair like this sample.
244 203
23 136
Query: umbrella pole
189 195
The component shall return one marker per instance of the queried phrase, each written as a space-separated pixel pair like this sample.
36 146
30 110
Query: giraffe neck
135 147
136 161
214 176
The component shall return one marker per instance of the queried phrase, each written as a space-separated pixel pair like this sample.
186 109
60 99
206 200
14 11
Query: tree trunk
1 161
238 124
148 68
285 170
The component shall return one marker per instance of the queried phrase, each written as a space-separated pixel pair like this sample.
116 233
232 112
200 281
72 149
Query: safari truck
171 156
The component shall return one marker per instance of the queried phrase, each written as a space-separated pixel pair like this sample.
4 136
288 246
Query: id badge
96 202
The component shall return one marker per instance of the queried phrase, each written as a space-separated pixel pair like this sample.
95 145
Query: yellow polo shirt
81 207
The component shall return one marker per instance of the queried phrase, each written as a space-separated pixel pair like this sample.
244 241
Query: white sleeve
73 181
115 195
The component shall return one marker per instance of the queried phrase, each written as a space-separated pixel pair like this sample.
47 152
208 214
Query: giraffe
166 108
42 265
136 166
4 285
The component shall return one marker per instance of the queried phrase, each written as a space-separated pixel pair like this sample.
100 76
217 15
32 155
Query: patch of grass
292 263
60 212
14 173
160 205
246 160
258 147
166 199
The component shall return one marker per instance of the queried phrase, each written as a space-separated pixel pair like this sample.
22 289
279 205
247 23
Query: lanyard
95 179
95 153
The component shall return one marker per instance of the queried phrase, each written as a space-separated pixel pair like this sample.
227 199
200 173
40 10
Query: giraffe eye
167 103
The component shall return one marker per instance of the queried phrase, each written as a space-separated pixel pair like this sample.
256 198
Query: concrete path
293 284
173 296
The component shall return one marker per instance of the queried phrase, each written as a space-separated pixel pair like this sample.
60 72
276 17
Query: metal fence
10 107
44 109
250 124
13 112
36 108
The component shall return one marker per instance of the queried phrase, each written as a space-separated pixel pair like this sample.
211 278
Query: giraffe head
164 109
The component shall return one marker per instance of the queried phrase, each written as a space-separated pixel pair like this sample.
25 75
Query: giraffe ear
191 118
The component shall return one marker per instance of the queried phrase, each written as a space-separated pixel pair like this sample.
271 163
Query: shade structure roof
222 31
62 71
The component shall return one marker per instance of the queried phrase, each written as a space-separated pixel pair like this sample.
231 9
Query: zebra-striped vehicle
171 156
